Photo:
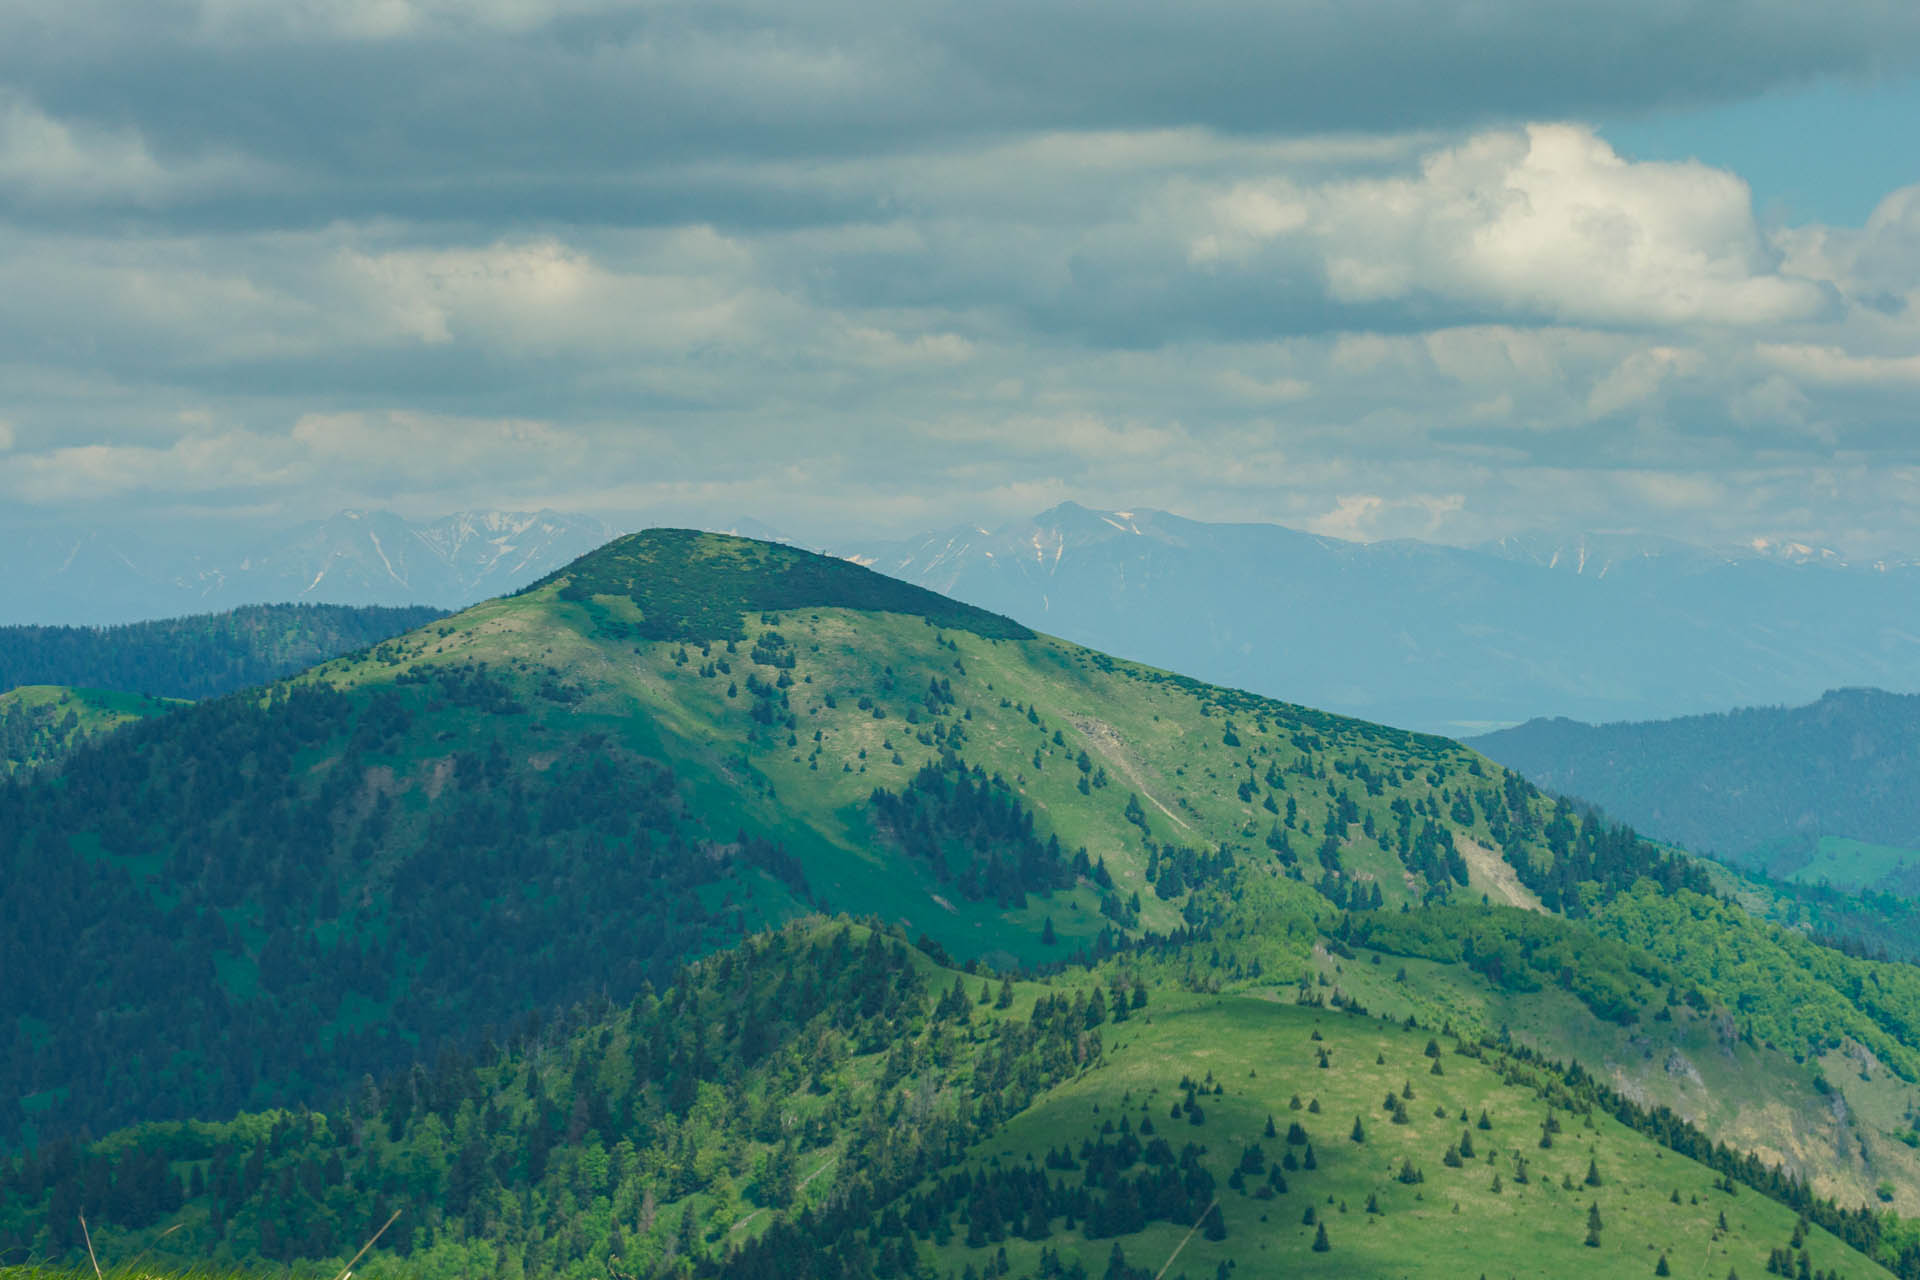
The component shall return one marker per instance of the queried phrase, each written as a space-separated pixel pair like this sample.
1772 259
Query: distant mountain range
1441 638
1824 791
97 576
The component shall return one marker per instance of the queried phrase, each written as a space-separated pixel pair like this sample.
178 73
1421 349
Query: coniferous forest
199 656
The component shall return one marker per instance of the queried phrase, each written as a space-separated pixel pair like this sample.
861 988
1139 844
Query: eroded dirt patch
1496 875
1114 748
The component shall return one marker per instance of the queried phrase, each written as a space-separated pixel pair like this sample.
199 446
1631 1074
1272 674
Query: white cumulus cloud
1548 221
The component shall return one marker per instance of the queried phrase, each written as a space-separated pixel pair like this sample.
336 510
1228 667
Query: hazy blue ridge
1763 783
1448 639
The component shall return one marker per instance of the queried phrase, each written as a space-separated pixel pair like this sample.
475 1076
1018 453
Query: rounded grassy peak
691 585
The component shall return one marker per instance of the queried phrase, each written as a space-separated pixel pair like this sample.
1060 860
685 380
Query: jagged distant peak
355 555
1595 553
1794 551
1074 516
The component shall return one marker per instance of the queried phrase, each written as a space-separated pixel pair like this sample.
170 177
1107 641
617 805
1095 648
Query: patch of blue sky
1828 152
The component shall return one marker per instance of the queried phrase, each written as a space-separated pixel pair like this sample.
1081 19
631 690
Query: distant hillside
43 724
1821 790
198 656
92 575
1439 638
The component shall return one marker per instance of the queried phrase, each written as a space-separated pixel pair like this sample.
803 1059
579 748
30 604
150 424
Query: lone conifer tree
1320 1244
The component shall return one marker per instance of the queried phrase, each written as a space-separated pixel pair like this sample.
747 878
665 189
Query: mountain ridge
1447 639
1756 785
199 655
98 576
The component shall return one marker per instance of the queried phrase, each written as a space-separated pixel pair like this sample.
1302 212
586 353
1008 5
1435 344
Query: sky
1453 269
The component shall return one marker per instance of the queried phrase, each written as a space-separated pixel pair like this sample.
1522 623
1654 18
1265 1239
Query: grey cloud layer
565 109
900 264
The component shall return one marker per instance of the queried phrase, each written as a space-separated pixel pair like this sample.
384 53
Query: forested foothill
202 655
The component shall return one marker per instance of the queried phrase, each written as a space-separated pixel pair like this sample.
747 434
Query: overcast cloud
860 267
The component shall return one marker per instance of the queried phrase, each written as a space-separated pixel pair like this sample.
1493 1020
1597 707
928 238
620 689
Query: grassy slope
1263 1053
35 728
1857 864
1453 1223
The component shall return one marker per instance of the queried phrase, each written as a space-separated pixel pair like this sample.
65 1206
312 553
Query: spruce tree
1320 1244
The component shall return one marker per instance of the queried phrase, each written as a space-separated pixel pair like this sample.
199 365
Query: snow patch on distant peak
381 551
